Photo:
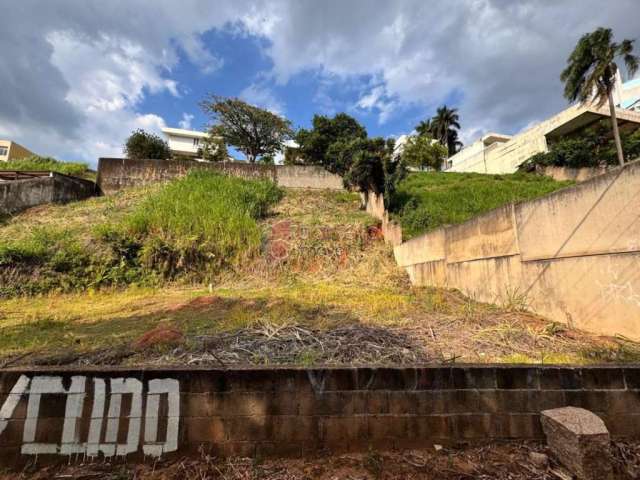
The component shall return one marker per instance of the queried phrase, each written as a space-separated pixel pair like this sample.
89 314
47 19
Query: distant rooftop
180 132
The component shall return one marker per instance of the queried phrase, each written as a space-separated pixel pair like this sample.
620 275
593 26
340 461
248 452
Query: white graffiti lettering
103 435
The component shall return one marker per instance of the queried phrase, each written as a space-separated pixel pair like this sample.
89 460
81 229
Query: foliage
443 126
252 130
213 149
191 228
422 152
35 163
292 156
591 71
592 147
315 144
144 145
428 200
591 67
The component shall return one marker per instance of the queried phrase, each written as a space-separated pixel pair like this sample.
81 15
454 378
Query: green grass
190 229
428 200
35 163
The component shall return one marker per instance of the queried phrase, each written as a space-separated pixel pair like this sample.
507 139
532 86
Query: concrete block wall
117 173
572 256
56 414
19 195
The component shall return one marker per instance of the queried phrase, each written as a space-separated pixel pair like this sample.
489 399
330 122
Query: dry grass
332 279
498 461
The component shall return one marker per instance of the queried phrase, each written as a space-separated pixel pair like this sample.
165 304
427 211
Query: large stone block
580 440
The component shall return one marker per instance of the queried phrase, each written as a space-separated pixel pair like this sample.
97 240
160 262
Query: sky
77 77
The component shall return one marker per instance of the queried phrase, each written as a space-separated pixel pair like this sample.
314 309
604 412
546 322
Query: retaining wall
572 256
56 414
567 173
117 173
17 195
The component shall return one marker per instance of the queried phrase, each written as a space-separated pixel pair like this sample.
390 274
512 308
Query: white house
184 142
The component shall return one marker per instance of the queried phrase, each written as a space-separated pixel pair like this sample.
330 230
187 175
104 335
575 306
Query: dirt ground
503 461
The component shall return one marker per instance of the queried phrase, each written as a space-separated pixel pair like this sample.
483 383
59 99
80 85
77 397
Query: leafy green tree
213 149
421 151
252 130
315 143
443 127
144 145
591 71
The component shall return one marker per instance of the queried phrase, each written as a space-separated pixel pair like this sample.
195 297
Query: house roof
179 132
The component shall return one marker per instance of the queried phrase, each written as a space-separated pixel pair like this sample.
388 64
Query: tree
144 145
443 127
591 72
213 149
443 124
315 144
421 151
252 130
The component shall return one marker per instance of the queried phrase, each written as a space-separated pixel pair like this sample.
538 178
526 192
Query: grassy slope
428 200
35 163
328 273
192 228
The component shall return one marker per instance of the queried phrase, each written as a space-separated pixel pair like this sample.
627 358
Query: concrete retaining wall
374 206
572 256
17 195
575 174
117 173
57 414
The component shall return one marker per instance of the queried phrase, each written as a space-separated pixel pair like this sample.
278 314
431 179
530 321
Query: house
495 153
12 151
184 142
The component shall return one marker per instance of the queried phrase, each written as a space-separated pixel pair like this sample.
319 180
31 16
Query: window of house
196 142
3 151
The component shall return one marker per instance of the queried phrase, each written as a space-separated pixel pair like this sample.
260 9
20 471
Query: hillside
428 200
321 288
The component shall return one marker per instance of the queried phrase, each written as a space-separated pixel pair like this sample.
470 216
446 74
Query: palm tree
453 143
591 72
424 127
446 121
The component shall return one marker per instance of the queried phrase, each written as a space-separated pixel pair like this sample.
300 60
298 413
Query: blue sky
93 71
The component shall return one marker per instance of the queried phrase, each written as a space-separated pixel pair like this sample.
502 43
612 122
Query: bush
144 145
35 163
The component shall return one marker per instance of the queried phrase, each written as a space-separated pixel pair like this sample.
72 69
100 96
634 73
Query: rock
540 460
579 440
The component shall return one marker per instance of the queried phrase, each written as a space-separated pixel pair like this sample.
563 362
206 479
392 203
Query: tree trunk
616 132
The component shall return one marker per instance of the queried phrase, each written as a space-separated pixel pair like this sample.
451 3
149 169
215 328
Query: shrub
144 145
35 163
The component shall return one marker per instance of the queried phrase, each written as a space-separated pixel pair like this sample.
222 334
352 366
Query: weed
428 200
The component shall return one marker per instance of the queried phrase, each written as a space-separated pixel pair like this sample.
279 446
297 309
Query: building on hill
495 153
12 151
627 95
184 142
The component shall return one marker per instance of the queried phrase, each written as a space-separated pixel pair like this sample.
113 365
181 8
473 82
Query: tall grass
428 200
191 228
203 219
35 162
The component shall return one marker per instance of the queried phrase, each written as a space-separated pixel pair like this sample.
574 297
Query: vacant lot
428 200
323 289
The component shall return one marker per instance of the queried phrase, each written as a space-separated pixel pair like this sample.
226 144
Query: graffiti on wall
104 415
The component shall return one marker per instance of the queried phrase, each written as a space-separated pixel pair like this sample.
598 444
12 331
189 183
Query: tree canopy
315 143
422 151
443 126
591 71
252 130
144 145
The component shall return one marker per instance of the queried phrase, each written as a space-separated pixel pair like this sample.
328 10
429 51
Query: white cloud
263 97
186 121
